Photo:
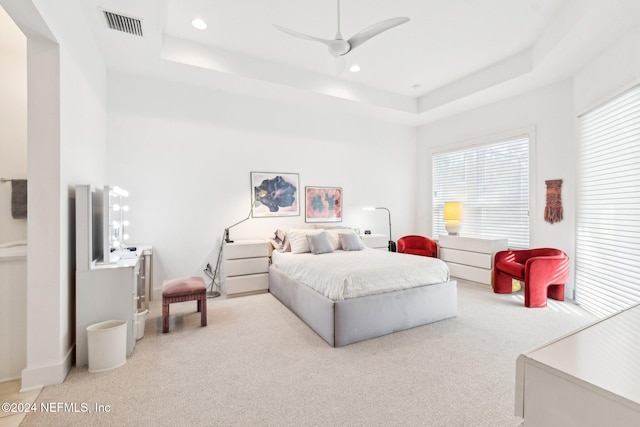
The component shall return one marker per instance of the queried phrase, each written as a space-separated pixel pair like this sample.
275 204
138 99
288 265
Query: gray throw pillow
319 243
350 242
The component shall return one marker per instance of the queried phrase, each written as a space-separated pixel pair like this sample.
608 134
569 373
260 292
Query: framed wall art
274 194
323 204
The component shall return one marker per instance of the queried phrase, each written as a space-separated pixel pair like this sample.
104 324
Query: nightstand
470 258
376 241
246 267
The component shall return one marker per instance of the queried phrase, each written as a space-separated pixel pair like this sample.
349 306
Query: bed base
348 321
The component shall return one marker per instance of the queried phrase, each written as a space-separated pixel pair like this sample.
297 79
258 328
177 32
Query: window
492 182
608 202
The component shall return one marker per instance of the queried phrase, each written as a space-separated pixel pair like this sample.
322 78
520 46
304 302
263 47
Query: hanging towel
19 198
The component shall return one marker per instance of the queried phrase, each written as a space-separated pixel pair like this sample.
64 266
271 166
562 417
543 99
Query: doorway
13 227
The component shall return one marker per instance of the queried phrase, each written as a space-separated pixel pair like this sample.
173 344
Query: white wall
66 81
185 155
83 83
13 122
615 70
550 111
553 111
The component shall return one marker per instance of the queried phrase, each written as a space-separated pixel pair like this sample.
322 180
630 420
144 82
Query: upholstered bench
184 289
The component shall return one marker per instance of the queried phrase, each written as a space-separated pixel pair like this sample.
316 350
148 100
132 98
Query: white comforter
350 274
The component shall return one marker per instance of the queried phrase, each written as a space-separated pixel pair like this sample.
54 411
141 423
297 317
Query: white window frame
528 132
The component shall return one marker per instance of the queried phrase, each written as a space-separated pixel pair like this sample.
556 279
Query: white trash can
141 318
107 342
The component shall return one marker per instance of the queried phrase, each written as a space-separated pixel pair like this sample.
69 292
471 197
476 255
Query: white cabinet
107 292
586 378
246 267
376 241
145 278
470 258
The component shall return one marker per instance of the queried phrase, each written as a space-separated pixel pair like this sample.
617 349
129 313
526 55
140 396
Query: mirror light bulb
120 191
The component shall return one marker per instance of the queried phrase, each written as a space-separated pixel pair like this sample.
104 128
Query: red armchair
544 272
418 245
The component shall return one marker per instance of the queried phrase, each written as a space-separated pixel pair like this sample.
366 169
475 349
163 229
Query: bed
352 295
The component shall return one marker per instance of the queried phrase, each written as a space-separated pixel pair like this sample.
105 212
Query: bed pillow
280 242
298 240
351 242
334 236
334 239
319 243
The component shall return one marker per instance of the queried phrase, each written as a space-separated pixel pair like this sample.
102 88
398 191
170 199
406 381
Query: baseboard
7 379
34 378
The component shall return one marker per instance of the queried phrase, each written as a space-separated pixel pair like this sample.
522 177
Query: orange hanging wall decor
553 210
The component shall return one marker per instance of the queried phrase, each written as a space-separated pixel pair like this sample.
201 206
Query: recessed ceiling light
199 24
354 68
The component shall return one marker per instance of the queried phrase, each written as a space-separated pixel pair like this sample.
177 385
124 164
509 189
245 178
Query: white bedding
350 274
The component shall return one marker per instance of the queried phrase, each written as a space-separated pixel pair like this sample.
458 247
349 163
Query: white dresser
113 290
376 241
246 267
110 292
583 379
470 258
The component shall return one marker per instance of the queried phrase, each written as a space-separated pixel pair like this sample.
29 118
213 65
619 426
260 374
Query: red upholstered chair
544 272
418 245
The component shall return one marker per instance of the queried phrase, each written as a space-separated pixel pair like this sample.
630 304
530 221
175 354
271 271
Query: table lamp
453 217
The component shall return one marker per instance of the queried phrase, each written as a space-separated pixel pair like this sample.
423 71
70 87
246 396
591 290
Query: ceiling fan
338 46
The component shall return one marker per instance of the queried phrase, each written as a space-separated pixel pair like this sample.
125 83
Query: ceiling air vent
123 23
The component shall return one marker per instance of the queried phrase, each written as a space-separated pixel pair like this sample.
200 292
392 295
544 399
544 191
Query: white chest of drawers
246 267
586 378
376 241
470 258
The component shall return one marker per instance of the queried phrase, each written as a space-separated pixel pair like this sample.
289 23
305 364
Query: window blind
492 182
608 206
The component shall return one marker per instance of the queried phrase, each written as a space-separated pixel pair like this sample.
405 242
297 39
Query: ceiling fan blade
374 30
336 47
304 36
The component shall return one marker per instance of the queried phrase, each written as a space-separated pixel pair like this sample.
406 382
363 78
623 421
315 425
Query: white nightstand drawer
244 284
474 259
245 267
238 267
377 241
247 249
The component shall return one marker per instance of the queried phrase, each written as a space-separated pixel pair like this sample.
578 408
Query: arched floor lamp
215 276
392 244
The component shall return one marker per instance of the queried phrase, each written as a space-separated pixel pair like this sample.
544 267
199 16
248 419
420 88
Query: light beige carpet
257 364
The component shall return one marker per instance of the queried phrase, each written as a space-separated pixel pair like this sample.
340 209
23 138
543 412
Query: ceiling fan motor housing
339 47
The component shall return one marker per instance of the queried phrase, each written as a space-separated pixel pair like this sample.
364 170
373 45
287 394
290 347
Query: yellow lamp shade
452 211
452 217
